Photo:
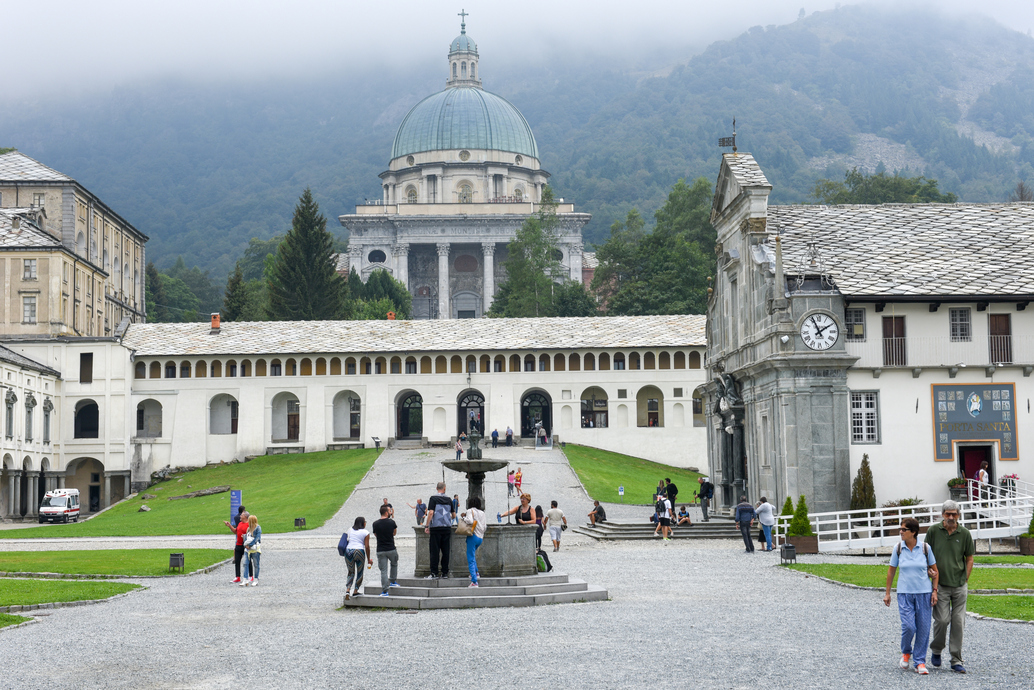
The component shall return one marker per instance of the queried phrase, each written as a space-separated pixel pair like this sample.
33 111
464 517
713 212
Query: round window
464 156
377 257
518 160
465 263
410 160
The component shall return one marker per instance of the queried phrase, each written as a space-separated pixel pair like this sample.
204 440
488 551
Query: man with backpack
663 509
705 495
672 492
439 530
744 516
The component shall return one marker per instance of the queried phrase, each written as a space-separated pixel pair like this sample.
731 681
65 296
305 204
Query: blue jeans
473 543
767 529
255 558
915 611
244 565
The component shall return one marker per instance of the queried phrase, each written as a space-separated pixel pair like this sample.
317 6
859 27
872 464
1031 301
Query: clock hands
818 331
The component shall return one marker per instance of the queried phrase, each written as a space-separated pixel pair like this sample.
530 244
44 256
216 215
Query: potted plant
1008 484
957 488
800 533
1027 540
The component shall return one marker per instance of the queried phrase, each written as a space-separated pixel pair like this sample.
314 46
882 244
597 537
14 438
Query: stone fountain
507 550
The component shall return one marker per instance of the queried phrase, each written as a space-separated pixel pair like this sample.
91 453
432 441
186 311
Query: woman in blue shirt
916 594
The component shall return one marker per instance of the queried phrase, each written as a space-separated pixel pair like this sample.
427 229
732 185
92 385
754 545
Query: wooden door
894 354
1000 338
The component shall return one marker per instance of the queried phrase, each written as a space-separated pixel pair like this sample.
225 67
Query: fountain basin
508 550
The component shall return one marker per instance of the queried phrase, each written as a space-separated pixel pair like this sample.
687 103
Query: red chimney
391 316
215 322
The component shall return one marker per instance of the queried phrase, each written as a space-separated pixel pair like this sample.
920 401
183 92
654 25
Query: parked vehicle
60 505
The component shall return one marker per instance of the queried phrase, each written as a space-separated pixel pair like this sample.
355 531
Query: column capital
400 249
443 248
488 248
355 252
577 247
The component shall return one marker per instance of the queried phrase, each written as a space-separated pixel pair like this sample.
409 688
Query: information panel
974 412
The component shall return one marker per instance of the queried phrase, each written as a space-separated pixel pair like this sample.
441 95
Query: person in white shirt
555 522
356 549
475 517
766 516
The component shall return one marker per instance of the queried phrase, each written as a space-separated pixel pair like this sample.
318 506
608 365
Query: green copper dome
463 42
464 118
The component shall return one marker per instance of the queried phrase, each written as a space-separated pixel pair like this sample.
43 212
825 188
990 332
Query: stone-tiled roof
746 170
915 249
17 167
27 234
454 335
12 357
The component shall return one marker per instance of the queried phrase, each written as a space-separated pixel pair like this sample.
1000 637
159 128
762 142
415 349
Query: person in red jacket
238 550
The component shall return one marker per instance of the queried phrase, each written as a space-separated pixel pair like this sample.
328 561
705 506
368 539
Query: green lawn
876 575
277 488
602 472
24 592
1011 606
10 619
1002 560
127 562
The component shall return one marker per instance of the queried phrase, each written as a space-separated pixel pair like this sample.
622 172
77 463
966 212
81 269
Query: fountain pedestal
507 551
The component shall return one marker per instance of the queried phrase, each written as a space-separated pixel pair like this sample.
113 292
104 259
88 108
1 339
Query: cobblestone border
77 576
998 592
21 608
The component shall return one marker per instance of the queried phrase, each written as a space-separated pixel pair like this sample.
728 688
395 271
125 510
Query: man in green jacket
953 548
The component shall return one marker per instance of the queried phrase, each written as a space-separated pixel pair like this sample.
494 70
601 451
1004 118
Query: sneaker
445 576
357 595
394 584
473 584
384 593
254 583
921 670
903 664
935 660
243 583
346 596
235 580
958 668
431 577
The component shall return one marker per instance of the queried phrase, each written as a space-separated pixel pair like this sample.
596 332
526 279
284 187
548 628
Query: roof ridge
35 162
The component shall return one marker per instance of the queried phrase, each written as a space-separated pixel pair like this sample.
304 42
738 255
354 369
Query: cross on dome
463 14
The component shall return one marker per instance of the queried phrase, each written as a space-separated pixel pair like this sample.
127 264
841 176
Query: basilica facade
464 174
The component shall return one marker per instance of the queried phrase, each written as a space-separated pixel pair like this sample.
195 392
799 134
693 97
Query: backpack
926 551
341 545
661 510
442 515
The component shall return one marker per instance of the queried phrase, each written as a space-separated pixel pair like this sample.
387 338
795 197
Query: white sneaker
254 583
243 583
903 663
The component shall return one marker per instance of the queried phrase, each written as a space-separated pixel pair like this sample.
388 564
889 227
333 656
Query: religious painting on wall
971 412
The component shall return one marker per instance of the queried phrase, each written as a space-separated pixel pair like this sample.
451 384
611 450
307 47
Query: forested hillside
201 169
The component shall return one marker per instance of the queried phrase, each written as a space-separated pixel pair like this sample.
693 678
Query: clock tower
778 404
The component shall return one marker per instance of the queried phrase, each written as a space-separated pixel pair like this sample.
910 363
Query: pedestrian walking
983 482
455 508
765 512
391 510
705 494
474 517
495 438
509 436
355 547
253 549
916 594
518 477
663 508
540 522
240 529
671 491
953 548
420 509
384 531
438 527
556 521
744 516
509 484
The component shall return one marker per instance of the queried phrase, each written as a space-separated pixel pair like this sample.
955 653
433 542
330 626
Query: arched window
456 364
200 369
156 370
170 370
290 368
648 361
217 369
604 361
499 364
466 194
441 365
87 419
380 366
454 70
680 360
472 364
543 362
245 368
485 364
149 419
276 368
590 361
594 408
350 366
529 363
335 367
515 362
473 70
365 366
411 365
140 370
396 365
633 361
426 365
306 367
694 359
185 370
665 361
321 367
377 257
222 415
649 407
619 361
260 367
575 362
411 195
559 362
463 70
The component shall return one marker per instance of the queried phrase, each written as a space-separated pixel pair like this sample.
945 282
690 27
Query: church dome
463 43
464 118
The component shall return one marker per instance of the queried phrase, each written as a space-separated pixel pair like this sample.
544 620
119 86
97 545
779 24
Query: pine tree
788 507
303 282
156 300
235 301
531 266
863 493
799 526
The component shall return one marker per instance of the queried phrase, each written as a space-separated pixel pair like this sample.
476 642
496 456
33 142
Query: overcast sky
70 45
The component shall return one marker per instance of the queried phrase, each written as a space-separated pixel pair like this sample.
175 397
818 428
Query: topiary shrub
863 493
788 507
799 525
1030 528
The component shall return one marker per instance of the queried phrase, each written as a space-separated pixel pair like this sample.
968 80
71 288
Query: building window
396 368
28 310
854 324
39 199
411 367
411 195
895 353
29 269
85 367
622 392
466 194
961 326
678 393
46 421
865 417
28 422
275 369
9 417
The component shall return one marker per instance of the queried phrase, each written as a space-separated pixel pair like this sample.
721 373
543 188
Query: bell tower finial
463 14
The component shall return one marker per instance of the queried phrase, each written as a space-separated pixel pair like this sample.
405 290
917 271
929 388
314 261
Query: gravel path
700 612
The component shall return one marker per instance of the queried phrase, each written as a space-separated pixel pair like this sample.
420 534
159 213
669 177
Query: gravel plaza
681 614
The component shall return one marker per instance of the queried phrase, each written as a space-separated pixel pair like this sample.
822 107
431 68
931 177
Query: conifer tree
156 299
863 493
235 301
303 283
532 267
799 526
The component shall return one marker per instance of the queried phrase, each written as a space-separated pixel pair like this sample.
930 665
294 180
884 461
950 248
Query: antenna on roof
729 141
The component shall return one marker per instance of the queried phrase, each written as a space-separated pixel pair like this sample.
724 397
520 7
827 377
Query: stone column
126 485
384 196
401 252
575 262
488 290
106 498
16 494
33 489
443 281
355 259
61 480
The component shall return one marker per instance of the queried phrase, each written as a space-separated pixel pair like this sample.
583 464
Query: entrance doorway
971 457
471 413
410 417
95 498
536 407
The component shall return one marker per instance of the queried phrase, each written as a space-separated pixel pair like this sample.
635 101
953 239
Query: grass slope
277 488
25 592
1002 560
876 575
127 562
602 472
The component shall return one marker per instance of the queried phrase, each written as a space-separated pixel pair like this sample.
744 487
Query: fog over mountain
203 143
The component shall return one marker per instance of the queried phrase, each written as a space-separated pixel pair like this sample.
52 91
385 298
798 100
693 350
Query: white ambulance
61 505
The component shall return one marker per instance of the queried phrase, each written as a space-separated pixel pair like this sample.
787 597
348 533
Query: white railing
934 351
993 512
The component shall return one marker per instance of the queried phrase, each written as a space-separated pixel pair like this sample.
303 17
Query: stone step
645 531
466 590
461 582
481 597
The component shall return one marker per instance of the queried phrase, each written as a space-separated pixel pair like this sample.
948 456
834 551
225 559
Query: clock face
820 331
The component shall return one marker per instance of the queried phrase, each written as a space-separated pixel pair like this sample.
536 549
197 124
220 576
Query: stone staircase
408 444
717 528
455 593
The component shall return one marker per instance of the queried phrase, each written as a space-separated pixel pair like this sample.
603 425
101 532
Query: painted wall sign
970 412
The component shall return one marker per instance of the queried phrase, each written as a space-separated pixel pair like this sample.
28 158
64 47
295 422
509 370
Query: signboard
974 412
621 491
235 503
